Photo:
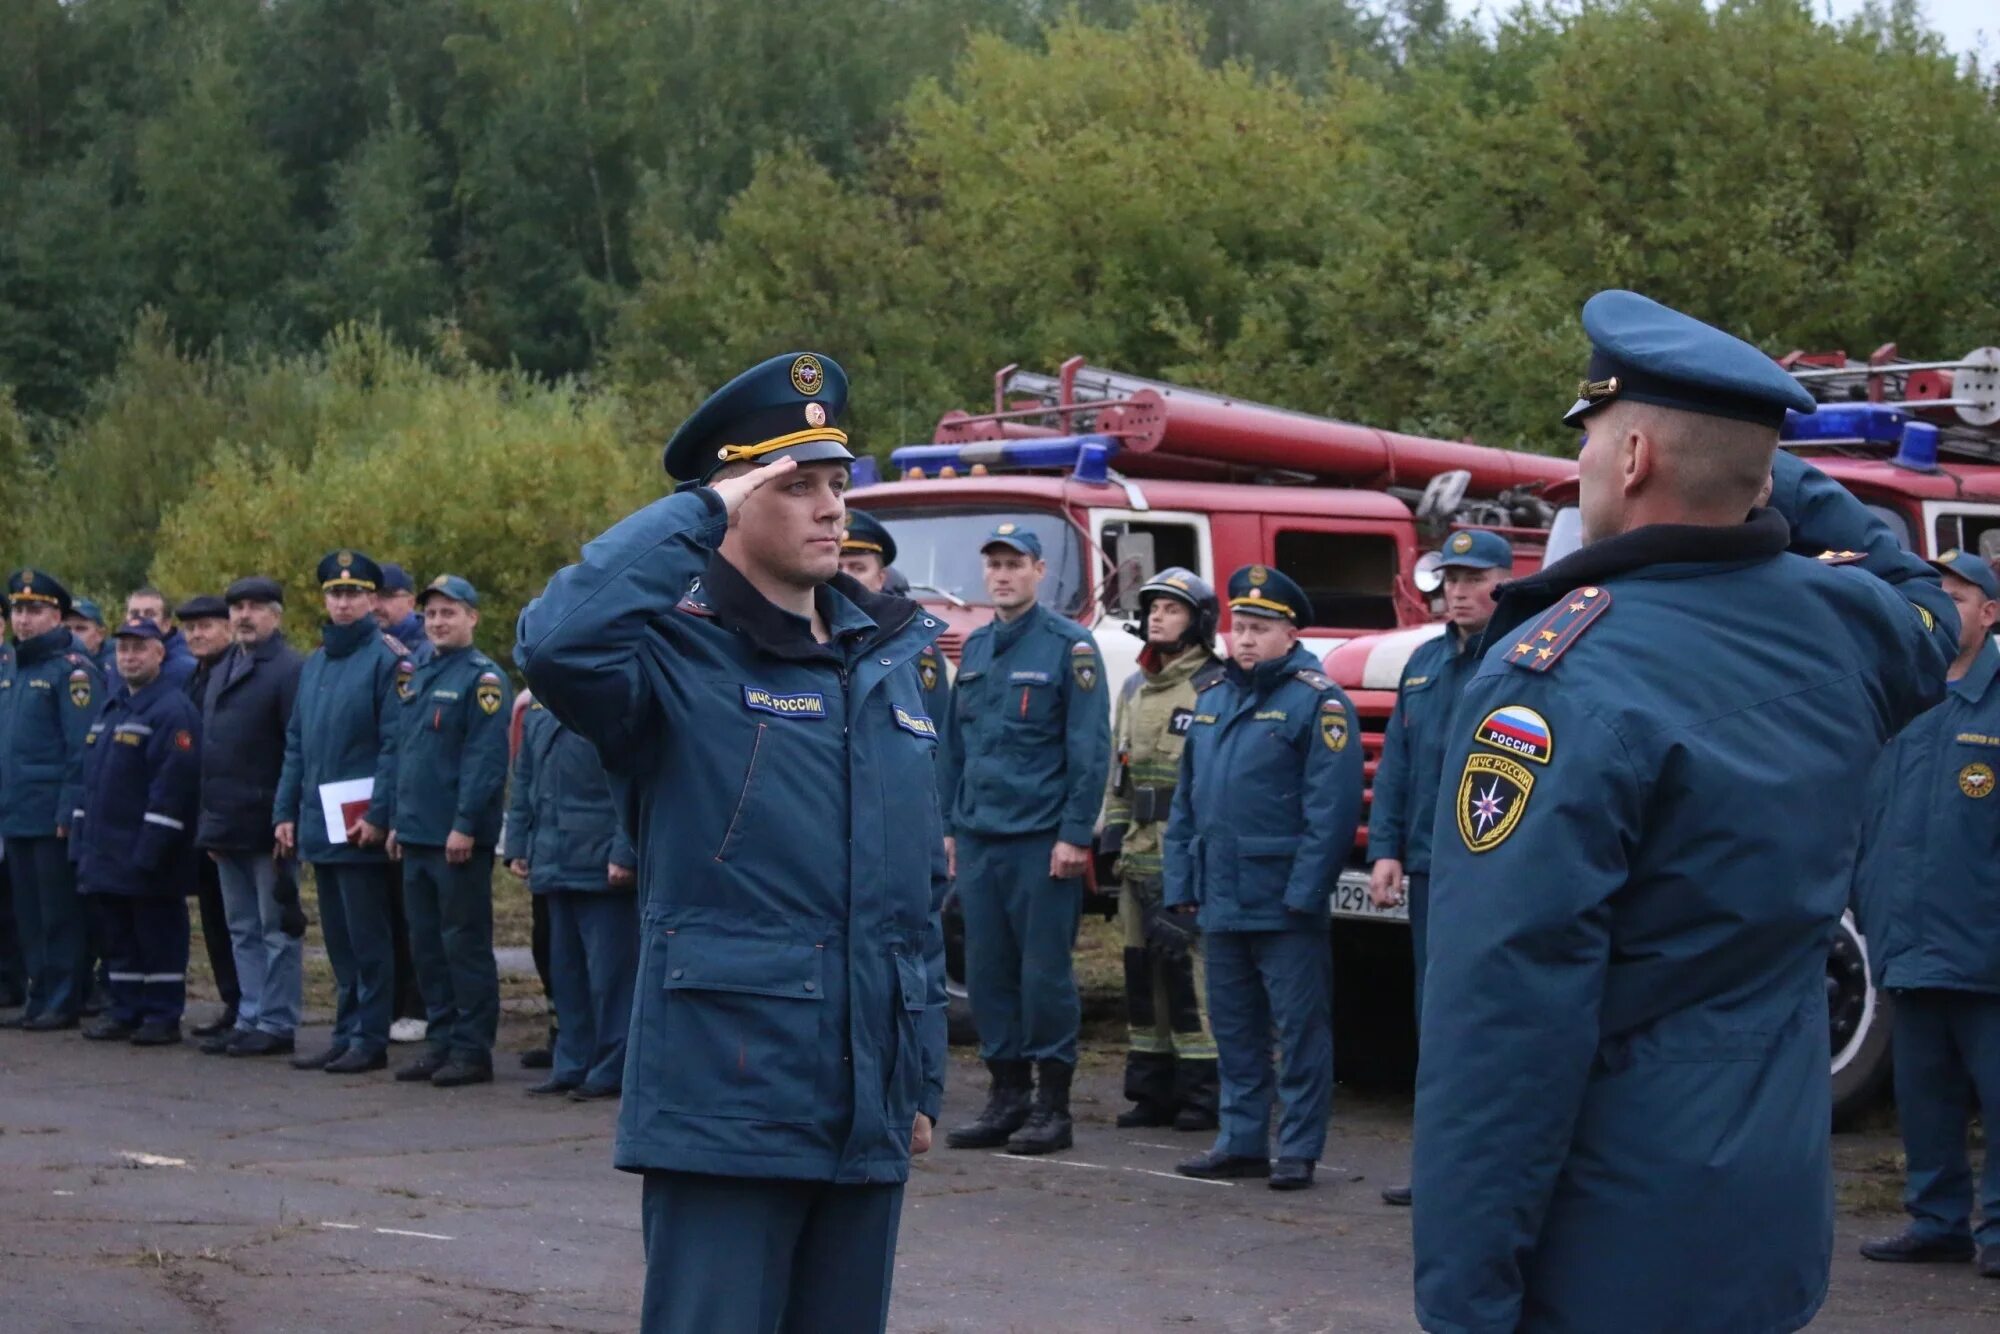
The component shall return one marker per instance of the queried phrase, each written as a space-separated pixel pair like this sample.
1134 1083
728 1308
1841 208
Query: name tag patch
1270 716
916 723
1029 678
785 706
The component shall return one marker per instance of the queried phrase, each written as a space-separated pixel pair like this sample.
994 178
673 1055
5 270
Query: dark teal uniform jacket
1029 743
789 1018
561 818
1645 840
142 790
343 726
49 694
1268 799
1413 744
451 754
1928 885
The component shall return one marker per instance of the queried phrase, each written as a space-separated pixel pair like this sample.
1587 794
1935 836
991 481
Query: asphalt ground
165 1191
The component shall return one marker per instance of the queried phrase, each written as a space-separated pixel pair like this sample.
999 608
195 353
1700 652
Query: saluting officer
451 775
1263 819
1025 760
133 840
1413 744
1644 843
343 729
564 838
1928 892
760 717
49 693
867 555
1170 1057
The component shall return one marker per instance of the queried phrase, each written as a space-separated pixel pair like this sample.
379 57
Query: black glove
291 917
1170 934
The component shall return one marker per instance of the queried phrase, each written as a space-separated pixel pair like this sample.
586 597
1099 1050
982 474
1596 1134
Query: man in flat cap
204 622
336 803
1644 840
49 694
758 712
245 714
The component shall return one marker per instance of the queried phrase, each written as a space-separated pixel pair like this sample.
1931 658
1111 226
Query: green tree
380 260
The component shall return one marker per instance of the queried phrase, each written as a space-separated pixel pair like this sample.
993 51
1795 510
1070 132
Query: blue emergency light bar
1873 423
1088 457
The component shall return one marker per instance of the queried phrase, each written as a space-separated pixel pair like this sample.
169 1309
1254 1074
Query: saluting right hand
735 490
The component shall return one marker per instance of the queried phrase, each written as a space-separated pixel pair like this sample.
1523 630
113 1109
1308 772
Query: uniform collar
1006 634
1978 677
854 616
134 700
1762 536
47 644
1178 668
1267 674
341 640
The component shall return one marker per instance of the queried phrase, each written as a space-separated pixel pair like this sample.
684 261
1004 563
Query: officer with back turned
1413 744
451 772
760 717
49 693
1170 1057
342 729
1263 819
1928 892
1025 759
1643 844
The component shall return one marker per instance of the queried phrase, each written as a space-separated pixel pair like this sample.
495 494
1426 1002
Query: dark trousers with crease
738 1255
1947 1066
145 938
52 921
354 915
450 911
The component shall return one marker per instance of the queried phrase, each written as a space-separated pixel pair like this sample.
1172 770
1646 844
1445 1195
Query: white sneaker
408 1030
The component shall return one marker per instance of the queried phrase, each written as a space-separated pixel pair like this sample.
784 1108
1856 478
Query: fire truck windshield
937 550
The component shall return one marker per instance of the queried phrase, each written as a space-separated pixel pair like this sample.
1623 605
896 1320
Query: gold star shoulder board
1539 646
1317 680
1207 678
1842 557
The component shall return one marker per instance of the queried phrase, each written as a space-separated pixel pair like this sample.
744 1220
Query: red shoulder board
395 645
1842 557
1549 638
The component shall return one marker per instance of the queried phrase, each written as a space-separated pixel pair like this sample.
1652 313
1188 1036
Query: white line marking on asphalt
62 1192
150 1159
1108 1167
344 1227
427 1236
1170 1148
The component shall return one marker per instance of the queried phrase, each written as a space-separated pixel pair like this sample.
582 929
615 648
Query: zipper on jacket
743 797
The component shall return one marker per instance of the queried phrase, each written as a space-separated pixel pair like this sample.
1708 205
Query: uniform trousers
1947 1046
51 919
739 1255
354 915
1259 981
593 964
13 973
1020 939
145 939
450 911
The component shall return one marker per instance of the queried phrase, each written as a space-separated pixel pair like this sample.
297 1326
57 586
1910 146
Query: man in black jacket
205 624
245 710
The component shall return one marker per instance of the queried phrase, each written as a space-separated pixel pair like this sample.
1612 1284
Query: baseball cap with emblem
1644 352
396 579
1476 549
348 568
38 586
865 535
1971 568
1259 590
786 408
89 610
1018 536
138 627
450 586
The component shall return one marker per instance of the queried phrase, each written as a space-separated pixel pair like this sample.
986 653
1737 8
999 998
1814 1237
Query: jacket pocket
1263 868
733 835
741 1022
906 1078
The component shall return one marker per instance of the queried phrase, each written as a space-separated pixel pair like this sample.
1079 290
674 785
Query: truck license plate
1350 899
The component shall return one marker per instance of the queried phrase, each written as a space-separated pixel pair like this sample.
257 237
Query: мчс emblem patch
404 671
1520 731
927 669
803 705
1976 780
915 723
1492 794
1333 725
79 688
487 692
1083 666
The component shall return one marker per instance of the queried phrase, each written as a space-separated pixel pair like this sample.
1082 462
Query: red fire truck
1121 476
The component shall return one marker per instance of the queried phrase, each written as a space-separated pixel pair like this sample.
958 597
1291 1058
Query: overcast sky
1961 21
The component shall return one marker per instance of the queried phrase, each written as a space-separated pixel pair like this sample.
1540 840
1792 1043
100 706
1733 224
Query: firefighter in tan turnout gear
1170 1065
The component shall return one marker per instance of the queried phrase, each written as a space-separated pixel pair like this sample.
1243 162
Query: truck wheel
958 1013
1858 1021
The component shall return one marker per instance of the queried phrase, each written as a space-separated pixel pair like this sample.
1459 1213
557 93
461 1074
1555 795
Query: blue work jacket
561 818
1405 793
343 726
49 694
1268 799
1927 889
451 753
134 831
1643 845
789 1020
1029 740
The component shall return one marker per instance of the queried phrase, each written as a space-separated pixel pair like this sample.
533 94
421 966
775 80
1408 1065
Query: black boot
1149 1083
1006 1108
1195 1093
1048 1127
